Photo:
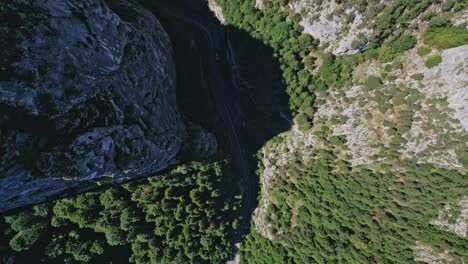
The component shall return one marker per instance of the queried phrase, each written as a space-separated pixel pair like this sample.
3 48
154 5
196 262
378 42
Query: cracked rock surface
87 95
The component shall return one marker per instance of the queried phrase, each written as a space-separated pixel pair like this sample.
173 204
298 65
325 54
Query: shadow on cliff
230 83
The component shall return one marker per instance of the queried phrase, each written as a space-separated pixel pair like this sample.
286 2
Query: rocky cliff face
87 95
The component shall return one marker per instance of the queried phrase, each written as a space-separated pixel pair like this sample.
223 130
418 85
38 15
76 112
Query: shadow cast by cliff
230 83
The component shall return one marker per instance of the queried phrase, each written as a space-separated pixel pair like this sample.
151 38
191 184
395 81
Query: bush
387 54
392 50
417 76
24 239
335 71
302 122
423 51
428 16
309 62
446 37
373 82
371 54
405 42
397 65
433 61
441 20
460 5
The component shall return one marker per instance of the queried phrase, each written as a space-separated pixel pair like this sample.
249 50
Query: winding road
218 86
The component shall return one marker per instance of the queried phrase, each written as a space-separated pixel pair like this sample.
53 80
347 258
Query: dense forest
322 209
325 213
278 27
183 216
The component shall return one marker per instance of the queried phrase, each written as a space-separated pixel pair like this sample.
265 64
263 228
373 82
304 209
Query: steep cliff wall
87 95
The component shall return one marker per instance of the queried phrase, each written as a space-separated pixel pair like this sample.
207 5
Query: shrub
398 98
405 42
417 76
406 119
373 82
24 239
387 54
463 158
446 37
441 20
335 71
397 65
433 61
302 122
309 62
428 16
371 54
460 6
392 50
423 51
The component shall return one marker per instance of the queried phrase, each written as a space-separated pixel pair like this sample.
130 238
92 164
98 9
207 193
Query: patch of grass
433 61
392 50
417 76
460 5
463 158
423 51
446 37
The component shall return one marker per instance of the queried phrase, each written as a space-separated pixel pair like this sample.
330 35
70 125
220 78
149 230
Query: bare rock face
87 95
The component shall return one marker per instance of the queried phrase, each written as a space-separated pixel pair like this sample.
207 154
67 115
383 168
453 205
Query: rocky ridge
87 96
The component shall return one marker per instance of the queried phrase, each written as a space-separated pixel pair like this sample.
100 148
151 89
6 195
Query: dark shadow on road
260 94
229 83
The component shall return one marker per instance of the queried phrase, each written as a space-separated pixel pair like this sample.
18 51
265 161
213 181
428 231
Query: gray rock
87 95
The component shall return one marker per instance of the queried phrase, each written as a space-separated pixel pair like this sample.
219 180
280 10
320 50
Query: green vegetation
433 61
302 122
446 37
309 62
290 46
388 67
461 5
354 216
423 51
392 50
373 82
325 210
405 42
417 76
183 216
386 19
258 250
336 72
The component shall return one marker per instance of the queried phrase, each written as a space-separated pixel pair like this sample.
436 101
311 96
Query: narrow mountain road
217 45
